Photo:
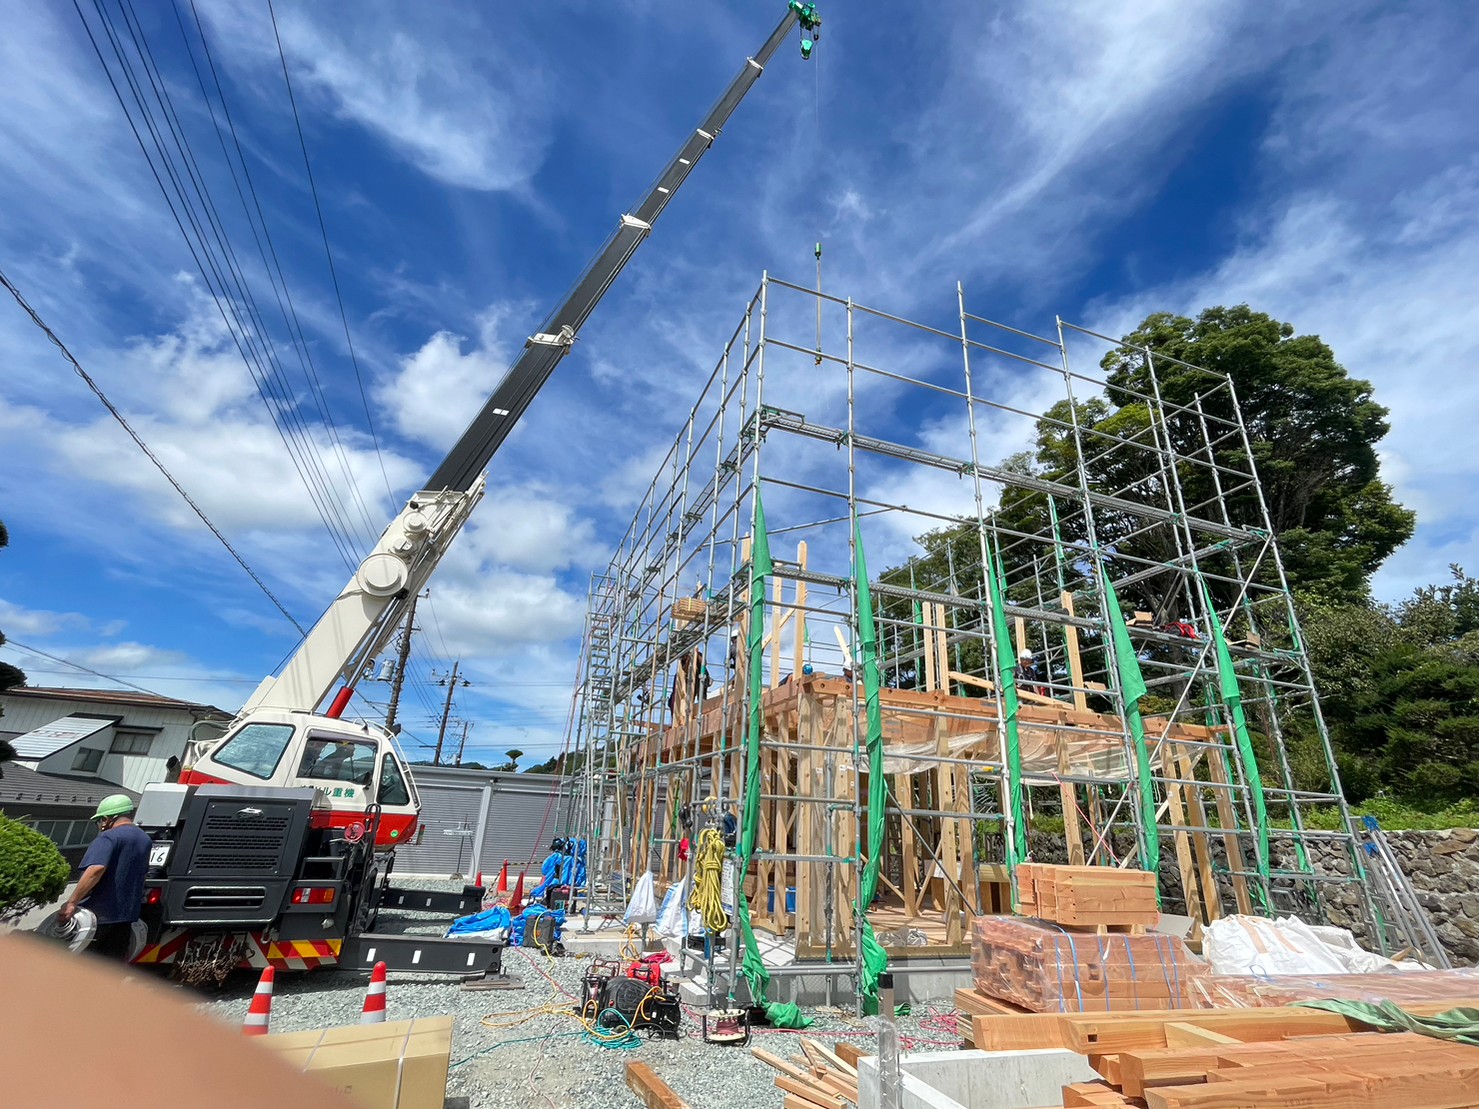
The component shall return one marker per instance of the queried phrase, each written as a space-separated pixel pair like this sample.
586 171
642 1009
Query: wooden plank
1184 865
1075 661
782 1065
850 1053
1089 1033
1211 895
829 1057
814 1095
651 1090
1019 1032
1180 1033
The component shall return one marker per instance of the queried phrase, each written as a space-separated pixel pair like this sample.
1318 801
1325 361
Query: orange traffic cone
374 1010
503 878
259 1014
479 882
516 902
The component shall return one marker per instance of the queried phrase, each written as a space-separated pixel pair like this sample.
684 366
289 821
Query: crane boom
359 623
544 350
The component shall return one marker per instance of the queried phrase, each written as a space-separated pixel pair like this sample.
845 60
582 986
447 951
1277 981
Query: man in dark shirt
112 882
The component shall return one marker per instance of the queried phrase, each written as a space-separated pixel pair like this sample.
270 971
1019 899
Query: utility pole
399 678
466 724
446 712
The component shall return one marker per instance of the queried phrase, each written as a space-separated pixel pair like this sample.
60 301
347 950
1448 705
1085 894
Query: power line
79 666
117 415
329 254
266 371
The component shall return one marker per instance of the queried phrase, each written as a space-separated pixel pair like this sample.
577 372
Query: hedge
32 870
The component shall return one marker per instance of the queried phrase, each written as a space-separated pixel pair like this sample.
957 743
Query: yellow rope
708 883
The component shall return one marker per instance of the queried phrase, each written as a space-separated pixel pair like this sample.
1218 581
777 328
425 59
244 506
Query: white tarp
1250 945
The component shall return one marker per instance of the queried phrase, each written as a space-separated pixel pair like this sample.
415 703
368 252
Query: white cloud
451 94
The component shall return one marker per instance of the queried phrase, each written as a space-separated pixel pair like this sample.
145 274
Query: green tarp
1459 1025
1006 665
1232 698
1132 688
752 966
875 959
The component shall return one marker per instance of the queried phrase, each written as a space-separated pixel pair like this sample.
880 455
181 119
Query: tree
1313 431
1400 690
32 870
513 761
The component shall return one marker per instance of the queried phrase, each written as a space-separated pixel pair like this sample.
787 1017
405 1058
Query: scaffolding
1090 652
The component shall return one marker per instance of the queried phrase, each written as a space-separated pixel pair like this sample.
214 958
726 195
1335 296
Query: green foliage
1400 691
1394 815
32 870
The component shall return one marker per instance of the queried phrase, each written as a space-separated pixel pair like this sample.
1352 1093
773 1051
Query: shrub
32 870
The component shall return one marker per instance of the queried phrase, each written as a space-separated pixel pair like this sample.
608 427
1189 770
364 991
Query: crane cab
354 766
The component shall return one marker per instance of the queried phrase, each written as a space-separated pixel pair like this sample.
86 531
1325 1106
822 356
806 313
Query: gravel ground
541 1059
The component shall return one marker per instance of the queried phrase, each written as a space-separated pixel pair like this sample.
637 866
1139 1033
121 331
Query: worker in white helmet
112 882
1026 674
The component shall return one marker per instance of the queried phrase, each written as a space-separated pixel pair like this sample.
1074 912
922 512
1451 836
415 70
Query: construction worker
112 882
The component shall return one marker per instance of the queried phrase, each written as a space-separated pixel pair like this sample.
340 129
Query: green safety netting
752 966
875 959
1132 688
1232 698
1016 829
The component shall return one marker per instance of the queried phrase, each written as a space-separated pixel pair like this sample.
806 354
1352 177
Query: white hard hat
1024 653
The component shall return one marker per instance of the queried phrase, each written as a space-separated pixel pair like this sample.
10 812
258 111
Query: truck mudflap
252 949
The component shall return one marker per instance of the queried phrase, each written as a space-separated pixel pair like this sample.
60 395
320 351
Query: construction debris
819 1079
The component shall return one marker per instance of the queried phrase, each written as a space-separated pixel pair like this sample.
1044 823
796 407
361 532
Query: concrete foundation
977 1079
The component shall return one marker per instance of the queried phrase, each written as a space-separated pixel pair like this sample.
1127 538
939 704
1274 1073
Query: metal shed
471 820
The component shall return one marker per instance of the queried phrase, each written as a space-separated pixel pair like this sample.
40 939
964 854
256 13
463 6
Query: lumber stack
1044 969
1273 1058
821 1078
1087 896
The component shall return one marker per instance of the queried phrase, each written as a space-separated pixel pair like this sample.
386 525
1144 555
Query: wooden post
1183 843
1211 896
1226 816
1075 662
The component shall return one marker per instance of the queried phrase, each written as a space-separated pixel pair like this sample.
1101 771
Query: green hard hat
115 804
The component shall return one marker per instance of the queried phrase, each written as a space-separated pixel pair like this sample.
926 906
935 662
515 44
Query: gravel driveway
537 1058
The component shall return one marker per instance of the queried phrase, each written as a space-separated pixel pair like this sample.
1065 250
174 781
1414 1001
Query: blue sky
1099 161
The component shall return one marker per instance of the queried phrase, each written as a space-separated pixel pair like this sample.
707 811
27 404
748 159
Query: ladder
1402 914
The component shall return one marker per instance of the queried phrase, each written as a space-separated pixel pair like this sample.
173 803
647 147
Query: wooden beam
651 1090
1075 661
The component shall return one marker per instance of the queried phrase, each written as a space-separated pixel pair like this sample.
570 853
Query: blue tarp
520 922
485 921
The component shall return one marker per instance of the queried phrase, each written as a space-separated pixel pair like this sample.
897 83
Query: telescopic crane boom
364 616
277 738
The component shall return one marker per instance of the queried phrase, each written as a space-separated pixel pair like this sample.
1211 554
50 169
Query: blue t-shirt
124 850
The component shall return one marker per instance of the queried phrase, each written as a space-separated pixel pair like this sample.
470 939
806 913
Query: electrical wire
328 253
78 666
248 332
148 453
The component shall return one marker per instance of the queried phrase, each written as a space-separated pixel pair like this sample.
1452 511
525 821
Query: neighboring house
60 808
76 746
124 738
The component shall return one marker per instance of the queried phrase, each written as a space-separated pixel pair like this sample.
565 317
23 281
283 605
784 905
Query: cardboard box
397 1065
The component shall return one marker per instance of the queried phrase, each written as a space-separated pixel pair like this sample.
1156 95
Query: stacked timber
1087 896
1046 969
1274 1058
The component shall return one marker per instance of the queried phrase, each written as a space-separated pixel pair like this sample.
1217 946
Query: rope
708 883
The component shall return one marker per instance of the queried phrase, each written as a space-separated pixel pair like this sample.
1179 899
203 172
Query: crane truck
276 845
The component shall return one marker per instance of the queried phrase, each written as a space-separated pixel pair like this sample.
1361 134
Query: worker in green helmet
112 882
